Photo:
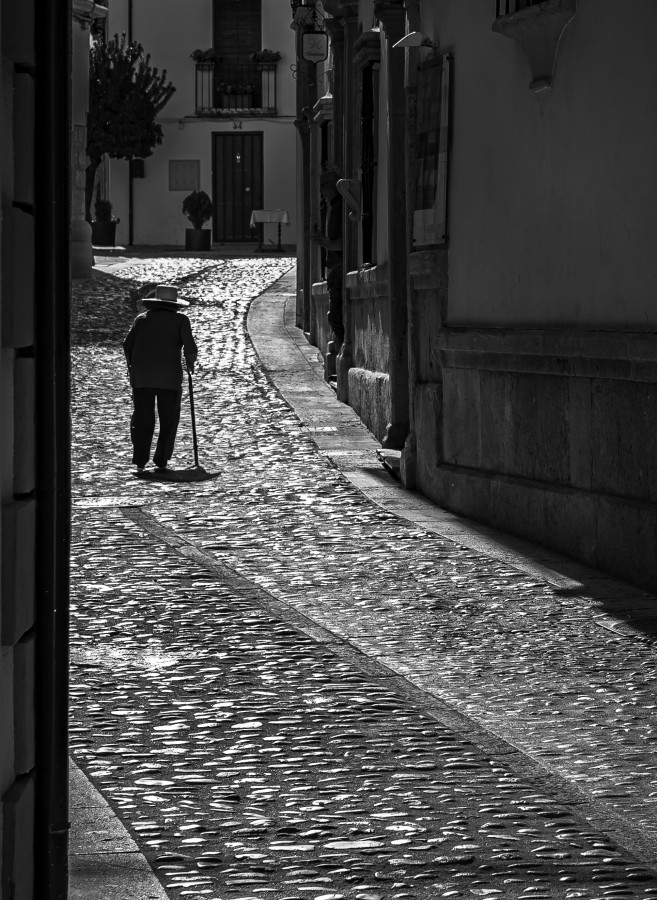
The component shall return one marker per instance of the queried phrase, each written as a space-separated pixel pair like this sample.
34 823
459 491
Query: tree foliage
125 96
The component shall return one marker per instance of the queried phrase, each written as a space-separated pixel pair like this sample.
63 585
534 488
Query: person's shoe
160 468
140 469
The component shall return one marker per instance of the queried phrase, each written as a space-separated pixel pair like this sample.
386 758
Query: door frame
218 237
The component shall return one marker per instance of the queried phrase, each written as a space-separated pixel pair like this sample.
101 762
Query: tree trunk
89 178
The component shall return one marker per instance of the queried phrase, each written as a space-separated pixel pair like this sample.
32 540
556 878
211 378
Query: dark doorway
237 181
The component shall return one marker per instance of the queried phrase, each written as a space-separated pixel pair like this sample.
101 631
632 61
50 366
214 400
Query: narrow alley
289 687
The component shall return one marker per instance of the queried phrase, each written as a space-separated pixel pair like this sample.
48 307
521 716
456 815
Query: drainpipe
52 288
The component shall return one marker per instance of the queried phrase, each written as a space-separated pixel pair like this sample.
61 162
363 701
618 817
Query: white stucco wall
170 30
552 212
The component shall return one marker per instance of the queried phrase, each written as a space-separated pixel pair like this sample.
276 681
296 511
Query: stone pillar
83 14
304 18
349 16
392 16
408 465
304 250
322 114
335 31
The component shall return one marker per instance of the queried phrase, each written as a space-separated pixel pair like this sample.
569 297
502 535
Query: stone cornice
367 49
389 11
323 110
335 29
84 12
341 9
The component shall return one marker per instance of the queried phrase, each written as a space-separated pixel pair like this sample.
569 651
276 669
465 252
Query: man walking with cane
153 352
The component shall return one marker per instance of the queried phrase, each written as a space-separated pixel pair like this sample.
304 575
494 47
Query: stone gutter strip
104 861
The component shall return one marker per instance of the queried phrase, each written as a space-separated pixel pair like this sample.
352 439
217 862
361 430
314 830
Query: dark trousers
142 424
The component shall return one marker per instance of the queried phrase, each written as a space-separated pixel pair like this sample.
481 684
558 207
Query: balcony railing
225 89
508 7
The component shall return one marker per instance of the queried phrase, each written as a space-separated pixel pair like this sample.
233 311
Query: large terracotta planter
197 238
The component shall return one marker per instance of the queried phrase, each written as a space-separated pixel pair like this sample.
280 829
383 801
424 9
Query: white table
267 216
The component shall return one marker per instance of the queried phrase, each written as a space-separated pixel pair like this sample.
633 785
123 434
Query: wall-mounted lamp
416 39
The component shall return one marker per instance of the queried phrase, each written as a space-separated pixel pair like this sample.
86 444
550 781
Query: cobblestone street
285 689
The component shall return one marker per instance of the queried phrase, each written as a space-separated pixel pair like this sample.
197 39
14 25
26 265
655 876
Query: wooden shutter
237 28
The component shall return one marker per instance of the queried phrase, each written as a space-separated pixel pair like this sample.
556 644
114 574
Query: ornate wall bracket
538 31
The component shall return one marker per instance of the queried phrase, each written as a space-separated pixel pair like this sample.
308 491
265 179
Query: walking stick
191 408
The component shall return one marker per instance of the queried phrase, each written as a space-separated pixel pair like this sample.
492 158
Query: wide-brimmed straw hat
166 296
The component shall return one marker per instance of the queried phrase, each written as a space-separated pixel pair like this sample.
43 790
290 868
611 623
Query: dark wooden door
237 183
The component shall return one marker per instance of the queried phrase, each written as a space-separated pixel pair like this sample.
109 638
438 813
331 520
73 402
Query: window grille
508 7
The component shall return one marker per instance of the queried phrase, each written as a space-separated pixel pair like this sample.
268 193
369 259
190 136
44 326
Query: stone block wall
320 330
17 452
368 296
550 435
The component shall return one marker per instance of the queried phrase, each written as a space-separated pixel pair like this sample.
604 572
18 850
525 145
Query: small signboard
184 174
314 46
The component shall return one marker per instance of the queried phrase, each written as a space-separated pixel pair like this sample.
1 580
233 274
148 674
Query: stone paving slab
362 641
104 861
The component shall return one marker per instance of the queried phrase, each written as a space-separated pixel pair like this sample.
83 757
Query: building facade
499 276
228 129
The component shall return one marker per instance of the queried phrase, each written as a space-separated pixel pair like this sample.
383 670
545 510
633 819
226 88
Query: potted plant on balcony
205 56
103 226
197 206
235 96
265 56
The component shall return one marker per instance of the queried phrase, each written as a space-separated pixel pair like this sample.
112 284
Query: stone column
411 58
81 251
322 114
306 99
335 29
392 15
304 250
345 119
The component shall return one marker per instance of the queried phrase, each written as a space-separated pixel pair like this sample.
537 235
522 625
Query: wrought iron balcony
227 89
508 7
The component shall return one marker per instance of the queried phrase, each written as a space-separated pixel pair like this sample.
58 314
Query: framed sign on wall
432 151
184 174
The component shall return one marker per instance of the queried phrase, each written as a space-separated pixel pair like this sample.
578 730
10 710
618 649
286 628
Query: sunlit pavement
286 690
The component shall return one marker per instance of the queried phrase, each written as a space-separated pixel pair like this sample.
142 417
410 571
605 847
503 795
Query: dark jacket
152 349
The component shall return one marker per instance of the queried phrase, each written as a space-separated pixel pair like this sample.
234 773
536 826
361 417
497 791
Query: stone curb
295 367
104 861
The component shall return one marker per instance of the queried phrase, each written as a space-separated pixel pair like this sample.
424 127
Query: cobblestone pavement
238 650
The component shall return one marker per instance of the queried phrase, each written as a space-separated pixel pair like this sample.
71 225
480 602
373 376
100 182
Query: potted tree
197 206
103 226
126 95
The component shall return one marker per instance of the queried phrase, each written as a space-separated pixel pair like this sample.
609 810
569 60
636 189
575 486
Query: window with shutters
234 81
237 31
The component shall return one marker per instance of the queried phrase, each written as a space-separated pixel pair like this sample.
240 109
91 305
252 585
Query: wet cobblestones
250 760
